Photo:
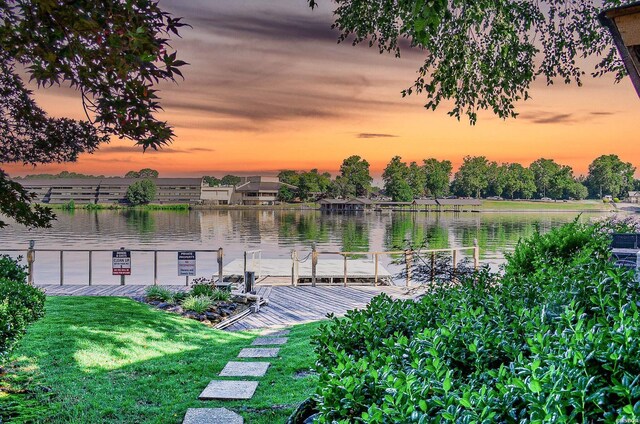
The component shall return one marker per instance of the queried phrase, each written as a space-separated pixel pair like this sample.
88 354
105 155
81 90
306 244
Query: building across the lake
357 204
256 190
634 197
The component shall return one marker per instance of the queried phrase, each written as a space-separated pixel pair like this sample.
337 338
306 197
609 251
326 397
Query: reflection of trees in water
140 221
303 227
355 236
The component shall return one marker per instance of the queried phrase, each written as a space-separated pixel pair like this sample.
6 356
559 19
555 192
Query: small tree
141 192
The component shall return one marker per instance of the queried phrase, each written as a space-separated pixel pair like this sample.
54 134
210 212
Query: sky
269 88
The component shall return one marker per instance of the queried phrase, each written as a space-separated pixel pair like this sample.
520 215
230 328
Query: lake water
275 232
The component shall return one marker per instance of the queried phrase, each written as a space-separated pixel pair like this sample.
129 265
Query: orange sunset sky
269 88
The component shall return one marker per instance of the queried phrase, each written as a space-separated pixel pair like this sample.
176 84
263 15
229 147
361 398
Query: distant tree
497 176
141 192
395 177
472 179
143 173
562 183
355 171
544 171
417 180
577 190
313 183
113 53
610 175
437 176
230 180
484 54
342 187
636 185
63 174
287 194
519 182
212 181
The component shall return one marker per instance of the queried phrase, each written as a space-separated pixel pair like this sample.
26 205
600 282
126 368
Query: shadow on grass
116 360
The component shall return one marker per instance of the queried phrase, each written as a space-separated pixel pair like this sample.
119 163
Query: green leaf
534 386
447 384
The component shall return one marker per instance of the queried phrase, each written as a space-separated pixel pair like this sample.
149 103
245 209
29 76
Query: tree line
477 177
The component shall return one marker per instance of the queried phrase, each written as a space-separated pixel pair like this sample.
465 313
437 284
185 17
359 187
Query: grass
103 360
524 205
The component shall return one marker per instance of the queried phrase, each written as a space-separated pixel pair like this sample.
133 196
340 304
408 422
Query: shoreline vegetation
487 206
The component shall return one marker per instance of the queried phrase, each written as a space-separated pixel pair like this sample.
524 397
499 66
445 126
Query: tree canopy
484 54
112 52
354 178
141 192
610 175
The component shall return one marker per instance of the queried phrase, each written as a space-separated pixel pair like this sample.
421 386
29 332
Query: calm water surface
276 233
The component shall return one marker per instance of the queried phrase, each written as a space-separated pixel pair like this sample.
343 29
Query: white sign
121 262
186 263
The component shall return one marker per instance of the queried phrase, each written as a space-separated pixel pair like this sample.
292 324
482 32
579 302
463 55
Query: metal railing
31 255
408 256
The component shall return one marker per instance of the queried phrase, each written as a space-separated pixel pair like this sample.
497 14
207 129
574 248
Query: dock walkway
297 305
286 306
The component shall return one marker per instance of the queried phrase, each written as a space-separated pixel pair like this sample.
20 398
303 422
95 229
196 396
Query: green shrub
221 295
178 297
158 293
556 340
11 269
20 305
202 290
197 304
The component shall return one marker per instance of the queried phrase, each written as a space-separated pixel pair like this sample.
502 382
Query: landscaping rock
245 369
259 353
190 314
305 413
211 416
228 389
212 316
164 305
175 309
268 341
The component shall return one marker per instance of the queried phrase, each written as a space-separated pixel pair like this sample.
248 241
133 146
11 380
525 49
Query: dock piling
31 256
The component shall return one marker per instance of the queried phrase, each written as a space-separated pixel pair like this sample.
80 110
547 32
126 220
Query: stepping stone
275 332
267 341
211 416
245 369
228 389
249 352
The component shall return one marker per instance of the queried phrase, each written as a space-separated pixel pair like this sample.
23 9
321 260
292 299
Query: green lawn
512 205
98 360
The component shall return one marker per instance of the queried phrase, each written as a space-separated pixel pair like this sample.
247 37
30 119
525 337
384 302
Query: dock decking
286 306
297 305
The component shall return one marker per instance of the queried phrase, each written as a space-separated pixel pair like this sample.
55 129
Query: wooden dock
286 306
297 305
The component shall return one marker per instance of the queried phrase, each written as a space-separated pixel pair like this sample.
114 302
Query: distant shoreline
488 206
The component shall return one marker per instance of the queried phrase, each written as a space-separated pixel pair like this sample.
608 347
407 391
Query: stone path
238 389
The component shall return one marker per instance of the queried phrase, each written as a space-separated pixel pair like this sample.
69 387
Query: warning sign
186 263
121 262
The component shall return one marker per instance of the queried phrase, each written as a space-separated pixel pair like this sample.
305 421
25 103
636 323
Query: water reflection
277 232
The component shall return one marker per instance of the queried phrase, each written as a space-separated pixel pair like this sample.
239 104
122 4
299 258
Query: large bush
141 192
20 303
556 339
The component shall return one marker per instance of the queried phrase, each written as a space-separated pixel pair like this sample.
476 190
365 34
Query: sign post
121 263
187 264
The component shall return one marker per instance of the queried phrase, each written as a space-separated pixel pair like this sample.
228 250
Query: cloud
374 135
138 149
548 118
601 113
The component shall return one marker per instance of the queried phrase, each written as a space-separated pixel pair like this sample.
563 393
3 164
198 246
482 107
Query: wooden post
31 257
186 281
220 261
345 270
155 267
433 267
245 263
90 266
476 254
61 267
375 277
408 256
314 264
455 260
294 262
